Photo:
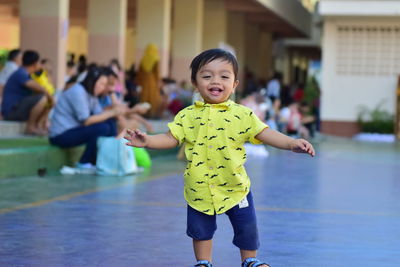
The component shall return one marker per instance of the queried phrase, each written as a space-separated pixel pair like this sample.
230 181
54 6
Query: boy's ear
235 84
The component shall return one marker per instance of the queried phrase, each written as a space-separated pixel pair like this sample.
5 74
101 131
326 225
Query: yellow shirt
43 80
214 134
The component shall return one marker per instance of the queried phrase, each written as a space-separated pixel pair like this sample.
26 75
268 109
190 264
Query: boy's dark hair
93 74
209 55
13 54
30 57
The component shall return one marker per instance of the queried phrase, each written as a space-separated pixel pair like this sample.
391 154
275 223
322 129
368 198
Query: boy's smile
216 81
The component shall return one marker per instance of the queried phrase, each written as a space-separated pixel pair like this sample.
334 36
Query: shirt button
211 168
211 125
210 146
212 186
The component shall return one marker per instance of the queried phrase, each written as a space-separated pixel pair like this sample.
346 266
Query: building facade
103 29
360 62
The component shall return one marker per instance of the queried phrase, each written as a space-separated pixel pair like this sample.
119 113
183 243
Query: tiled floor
341 208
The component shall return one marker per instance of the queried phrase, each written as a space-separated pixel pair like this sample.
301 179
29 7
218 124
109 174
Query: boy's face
216 81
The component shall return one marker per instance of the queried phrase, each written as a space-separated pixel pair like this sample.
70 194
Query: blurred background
346 58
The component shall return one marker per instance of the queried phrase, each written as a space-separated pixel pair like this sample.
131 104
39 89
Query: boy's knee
200 226
200 233
246 237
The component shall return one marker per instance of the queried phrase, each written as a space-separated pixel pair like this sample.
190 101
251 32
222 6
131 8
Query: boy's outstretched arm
137 138
279 140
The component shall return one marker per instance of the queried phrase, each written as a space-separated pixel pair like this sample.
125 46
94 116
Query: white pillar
44 28
154 26
186 36
215 24
107 29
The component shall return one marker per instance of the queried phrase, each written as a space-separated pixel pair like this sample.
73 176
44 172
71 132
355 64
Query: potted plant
376 124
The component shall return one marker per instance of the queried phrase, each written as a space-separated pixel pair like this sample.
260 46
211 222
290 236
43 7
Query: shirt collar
223 105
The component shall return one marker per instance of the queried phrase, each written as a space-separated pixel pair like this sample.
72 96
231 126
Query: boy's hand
302 146
136 138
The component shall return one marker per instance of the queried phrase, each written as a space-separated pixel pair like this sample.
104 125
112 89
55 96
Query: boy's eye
225 77
206 77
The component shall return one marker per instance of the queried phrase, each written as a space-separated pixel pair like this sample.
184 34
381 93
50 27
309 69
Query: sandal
203 263
253 262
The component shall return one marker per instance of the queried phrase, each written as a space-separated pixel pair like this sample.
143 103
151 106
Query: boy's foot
254 262
203 263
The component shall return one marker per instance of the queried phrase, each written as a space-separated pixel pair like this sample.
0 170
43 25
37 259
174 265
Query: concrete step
31 156
22 155
16 129
11 128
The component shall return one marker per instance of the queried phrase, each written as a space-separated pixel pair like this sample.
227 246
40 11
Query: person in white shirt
14 60
274 92
274 87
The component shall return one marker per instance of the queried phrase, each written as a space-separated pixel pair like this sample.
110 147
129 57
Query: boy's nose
215 81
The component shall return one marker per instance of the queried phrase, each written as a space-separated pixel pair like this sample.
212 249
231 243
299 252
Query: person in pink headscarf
120 84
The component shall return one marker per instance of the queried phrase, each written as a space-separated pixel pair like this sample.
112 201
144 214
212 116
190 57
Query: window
368 50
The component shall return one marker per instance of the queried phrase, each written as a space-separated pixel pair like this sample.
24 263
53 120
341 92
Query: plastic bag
114 157
142 157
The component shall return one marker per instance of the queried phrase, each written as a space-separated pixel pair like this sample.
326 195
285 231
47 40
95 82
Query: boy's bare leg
202 249
34 116
249 254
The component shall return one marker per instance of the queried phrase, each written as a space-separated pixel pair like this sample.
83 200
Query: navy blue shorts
201 226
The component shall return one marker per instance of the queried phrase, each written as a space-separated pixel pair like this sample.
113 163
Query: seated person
14 61
256 102
79 119
132 117
295 122
71 71
42 76
24 99
308 118
132 89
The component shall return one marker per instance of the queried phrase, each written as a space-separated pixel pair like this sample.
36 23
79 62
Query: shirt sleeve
80 104
256 127
97 108
24 78
177 129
